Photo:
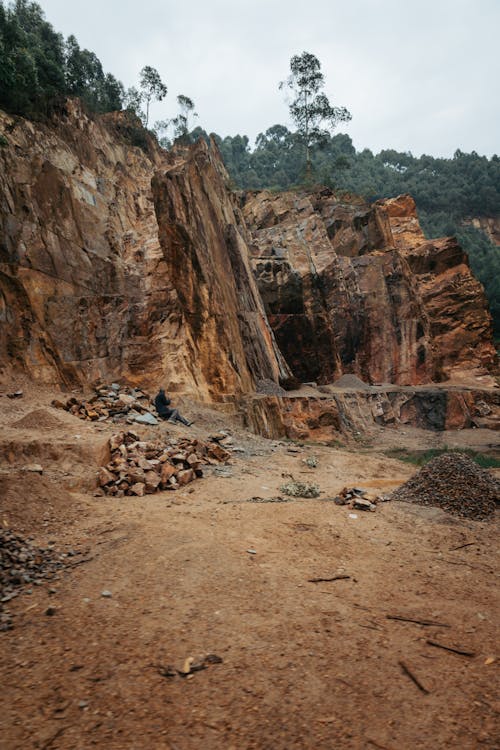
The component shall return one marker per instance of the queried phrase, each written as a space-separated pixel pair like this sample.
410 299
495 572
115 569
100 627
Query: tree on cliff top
310 108
152 87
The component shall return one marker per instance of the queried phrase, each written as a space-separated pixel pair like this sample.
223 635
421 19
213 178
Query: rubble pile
112 402
358 499
269 388
141 468
22 564
455 483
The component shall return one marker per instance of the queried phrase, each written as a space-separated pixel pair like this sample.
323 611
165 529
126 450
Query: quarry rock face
203 238
88 291
356 288
119 260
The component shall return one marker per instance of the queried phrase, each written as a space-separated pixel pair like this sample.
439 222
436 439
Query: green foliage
419 458
179 125
38 67
152 87
448 192
310 108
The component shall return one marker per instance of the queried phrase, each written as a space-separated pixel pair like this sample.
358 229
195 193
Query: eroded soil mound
39 419
454 483
28 500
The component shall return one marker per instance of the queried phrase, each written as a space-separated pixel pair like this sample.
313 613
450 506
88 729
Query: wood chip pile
141 468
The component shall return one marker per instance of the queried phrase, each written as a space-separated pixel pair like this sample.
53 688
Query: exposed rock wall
126 262
203 239
356 288
325 418
86 288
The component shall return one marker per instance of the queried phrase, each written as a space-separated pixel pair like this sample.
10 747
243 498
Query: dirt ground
203 571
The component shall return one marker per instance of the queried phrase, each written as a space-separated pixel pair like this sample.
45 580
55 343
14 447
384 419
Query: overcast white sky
419 76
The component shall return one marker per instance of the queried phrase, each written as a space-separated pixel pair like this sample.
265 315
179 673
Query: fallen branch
413 678
376 744
418 622
449 648
79 562
327 580
469 544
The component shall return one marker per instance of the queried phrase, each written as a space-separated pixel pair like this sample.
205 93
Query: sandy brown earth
304 665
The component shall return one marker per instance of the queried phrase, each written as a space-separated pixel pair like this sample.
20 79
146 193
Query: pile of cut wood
140 468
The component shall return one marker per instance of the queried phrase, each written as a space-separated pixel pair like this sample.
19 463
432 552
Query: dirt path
304 665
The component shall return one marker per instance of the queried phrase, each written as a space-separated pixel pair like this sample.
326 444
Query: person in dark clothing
162 405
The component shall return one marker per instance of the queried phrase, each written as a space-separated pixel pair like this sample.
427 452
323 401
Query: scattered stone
146 418
358 499
454 483
22 563
300 489
33 468
190 666
16 394
362 504
50 611
106 594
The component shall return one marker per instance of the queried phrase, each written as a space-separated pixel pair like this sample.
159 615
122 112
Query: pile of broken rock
358 499
141 468
112 402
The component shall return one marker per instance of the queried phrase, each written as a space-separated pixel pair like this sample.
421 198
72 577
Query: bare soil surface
203 571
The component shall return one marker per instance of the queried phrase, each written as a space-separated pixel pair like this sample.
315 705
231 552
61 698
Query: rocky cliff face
125 262
88 290
356 288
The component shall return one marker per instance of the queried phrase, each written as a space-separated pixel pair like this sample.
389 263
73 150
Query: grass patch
419 458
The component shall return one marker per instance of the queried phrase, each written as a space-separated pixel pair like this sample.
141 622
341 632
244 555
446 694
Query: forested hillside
448 192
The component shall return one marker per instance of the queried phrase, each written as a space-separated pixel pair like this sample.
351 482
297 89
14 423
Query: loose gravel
22 565
455 483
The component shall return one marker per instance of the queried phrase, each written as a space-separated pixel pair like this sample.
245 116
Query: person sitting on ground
162 405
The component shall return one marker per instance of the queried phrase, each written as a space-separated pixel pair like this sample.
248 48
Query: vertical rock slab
203 239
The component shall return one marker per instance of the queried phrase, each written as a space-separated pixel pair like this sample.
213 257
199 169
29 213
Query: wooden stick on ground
469 544
326 580
419 622
449 648
413 678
